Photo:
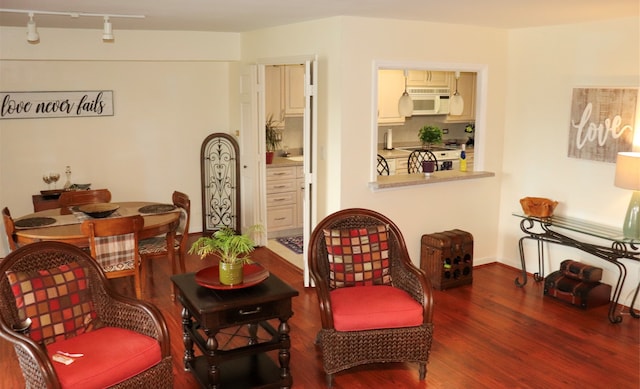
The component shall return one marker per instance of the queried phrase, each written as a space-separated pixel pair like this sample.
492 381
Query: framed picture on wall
602 122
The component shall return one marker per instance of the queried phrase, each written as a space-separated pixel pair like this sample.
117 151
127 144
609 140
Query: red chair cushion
57 300
358 256
374 307
111 355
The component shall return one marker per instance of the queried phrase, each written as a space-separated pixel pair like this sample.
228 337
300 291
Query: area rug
293 243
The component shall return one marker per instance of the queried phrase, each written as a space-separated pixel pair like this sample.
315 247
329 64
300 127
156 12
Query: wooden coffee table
206 311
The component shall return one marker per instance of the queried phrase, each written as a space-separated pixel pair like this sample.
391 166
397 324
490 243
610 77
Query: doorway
253 104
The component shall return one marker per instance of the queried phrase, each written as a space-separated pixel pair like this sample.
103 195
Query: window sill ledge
404 180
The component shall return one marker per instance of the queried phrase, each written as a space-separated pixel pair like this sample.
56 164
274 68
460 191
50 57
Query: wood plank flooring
487 335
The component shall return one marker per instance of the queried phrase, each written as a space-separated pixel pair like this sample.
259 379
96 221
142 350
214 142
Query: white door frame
257 196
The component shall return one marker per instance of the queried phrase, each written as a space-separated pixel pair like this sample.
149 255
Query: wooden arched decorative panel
220 175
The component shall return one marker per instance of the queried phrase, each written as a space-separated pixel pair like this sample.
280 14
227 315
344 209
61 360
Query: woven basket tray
538 206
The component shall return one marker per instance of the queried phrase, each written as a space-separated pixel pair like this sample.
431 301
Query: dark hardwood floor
487 335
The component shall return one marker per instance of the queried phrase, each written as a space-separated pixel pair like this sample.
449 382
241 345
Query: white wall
541 78
167 99
347 49
152 148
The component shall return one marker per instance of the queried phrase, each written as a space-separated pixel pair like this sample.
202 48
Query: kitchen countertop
403 180
398 153
283 162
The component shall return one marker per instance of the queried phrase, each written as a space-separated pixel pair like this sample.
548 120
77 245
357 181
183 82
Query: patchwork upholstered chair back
375 305
35 323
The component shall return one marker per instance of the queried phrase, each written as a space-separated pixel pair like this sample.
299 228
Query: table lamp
628 177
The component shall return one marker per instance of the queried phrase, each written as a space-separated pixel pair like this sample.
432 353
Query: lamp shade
628 177
628 170
456 104
405 105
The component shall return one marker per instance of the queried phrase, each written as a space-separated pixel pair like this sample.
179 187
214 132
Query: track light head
32 31
107 32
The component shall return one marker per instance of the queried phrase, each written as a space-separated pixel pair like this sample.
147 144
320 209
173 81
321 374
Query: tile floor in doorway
285 252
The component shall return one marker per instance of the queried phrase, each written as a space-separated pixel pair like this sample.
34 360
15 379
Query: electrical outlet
445 130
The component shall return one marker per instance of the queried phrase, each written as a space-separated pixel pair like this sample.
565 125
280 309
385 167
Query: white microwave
430 101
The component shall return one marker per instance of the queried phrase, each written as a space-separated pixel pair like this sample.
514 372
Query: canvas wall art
602 122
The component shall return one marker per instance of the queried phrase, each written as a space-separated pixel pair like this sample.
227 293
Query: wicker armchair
116 314
346 349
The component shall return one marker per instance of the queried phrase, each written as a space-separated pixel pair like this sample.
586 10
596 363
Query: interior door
253 148
310 140
252 166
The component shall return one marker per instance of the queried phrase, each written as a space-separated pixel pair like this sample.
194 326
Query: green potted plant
233 250
273 137
429 135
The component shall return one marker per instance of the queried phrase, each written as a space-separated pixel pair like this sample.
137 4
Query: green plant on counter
429 135
231 247
273 137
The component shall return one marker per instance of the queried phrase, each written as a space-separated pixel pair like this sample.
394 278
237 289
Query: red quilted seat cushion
374 307
111 355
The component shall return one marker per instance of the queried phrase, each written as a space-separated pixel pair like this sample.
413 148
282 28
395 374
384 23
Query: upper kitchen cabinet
284 92
428 78
294 90
467 89
390 88
274 98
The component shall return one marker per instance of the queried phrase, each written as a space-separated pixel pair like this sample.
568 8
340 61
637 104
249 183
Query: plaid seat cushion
358 256
156 245
57 301
116 252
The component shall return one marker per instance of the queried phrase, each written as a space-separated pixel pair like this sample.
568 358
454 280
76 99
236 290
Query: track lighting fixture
32 31
34 37
107 32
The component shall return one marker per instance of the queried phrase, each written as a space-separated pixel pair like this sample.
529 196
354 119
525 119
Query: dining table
52 225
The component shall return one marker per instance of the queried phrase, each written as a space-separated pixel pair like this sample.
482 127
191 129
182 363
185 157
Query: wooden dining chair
114 245
157 246
82 197
9 228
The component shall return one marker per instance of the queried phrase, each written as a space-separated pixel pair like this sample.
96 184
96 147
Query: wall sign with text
34 105
602 122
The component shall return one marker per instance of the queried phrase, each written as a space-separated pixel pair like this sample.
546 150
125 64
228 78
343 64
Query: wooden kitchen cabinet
283 198
284 92
300 200
390 88
427 78
467 89
401 165
294 90
274 99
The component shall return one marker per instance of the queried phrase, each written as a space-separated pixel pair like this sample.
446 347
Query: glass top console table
615 247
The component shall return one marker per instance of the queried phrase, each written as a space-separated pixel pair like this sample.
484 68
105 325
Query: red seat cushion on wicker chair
102 364
374 307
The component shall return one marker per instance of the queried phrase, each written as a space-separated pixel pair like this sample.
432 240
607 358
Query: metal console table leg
611 254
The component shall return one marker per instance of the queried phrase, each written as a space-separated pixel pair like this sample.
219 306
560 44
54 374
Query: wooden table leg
284 355
186 339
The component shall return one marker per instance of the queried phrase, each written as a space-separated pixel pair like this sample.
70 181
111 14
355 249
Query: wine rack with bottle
447 258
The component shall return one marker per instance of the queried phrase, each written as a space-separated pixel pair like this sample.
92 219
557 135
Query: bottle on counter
67 172
463 159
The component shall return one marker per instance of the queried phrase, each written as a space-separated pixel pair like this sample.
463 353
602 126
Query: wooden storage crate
447 258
